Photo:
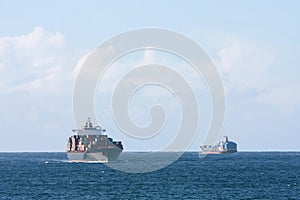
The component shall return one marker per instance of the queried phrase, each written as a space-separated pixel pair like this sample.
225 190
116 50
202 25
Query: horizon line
149 151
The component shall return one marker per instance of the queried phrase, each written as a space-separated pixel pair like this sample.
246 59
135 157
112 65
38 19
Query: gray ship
91 144
224 146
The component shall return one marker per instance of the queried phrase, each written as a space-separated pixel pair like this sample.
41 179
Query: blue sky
254 44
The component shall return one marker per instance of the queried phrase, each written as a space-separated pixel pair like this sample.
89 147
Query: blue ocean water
243 175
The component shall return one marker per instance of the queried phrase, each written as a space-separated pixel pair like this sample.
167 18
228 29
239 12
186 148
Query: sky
254 45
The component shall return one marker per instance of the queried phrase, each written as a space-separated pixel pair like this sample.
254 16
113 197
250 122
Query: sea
242 175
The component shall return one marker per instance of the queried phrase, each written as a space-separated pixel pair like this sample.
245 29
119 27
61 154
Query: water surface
243 175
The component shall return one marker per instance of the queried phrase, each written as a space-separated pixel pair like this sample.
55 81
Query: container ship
91 144
224 146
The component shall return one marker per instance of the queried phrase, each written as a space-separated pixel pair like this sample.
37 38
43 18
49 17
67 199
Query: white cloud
119 68
33 62
248 67
245 65
80 64
36 73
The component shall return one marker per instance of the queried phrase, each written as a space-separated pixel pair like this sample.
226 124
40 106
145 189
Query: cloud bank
36 73
38 70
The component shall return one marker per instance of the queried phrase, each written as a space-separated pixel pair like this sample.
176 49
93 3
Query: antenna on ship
90 125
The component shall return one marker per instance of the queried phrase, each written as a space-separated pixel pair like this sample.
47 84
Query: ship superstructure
91 144
224 146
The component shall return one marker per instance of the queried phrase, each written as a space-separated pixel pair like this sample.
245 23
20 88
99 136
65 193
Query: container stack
74 144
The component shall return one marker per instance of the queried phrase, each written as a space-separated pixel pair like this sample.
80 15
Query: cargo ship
91 144
224 146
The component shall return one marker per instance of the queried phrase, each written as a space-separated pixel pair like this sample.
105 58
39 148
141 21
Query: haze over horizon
253 44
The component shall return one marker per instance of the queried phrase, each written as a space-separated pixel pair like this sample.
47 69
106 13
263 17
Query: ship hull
104 155
218 152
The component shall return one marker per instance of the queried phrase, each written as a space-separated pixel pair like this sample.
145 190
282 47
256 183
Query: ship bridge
89 129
